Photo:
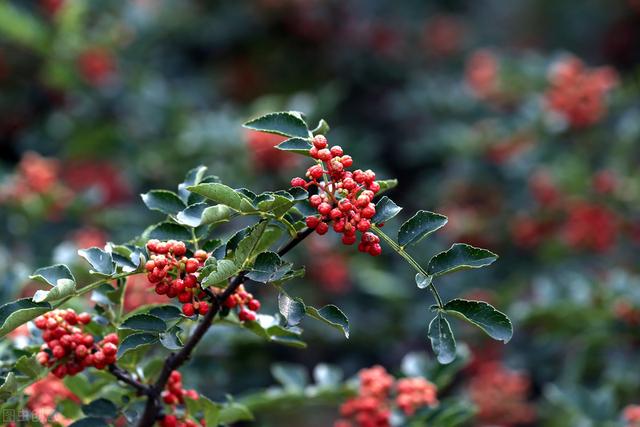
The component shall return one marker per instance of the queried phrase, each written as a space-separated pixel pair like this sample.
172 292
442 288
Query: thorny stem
175 360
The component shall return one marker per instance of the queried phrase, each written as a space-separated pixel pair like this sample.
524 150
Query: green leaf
14 314
171 340
135 342
219 193
420 226
327 376
331 315
163 201
90 422
385 210
386 185
203 214
247 246
275 204
268 267
193 177
225 268
286 123
101 262
442 340
423 281
495 323
295 145
169 231
18 25
292 377
210 410
460 256
50 275
8 388
103 408
292 309
322 128
166 312
233 412
144 322
30 367
64 288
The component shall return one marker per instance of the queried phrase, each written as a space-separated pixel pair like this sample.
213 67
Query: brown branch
125 377
175 360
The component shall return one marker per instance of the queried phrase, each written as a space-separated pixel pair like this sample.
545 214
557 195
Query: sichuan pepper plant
206 279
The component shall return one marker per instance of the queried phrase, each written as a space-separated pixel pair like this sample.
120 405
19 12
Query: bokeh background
519 120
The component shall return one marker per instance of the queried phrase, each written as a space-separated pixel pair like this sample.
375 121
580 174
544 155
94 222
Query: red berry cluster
631 415
578 93
174 395
414 393
246 304
345 199
373 405
176 275
70 349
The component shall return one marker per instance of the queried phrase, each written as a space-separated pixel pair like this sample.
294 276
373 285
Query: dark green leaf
385 210
101 262
136 341
125 263
163 201
90 422
331 315
460 256
292 377
443 342
295 145
247 247
496 324
268 267
166 312
103 408
52 274
292 309
144 322
14 314
169 231
420 226
286 123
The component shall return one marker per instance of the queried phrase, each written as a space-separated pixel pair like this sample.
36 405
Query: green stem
404 254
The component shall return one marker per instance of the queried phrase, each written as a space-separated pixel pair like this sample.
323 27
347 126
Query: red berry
324 155
190 281
185 297
246 315
312 221
81 351
254 305
169 421
203 308
319 141
298 182
346 161
84 318
109 349
322 228
40 322
191 266
315 200
112 338
324 208
188 309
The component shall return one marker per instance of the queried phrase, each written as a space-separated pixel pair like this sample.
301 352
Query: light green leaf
460 256
100 261
442 340
9 387
219 193
64 288
292 309
225 268
14 314
420 226
386 185
30 367
233 412
286 123
495 323
246 249
163 201
171 340
203 214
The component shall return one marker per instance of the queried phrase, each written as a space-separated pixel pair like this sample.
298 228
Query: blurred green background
101 101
